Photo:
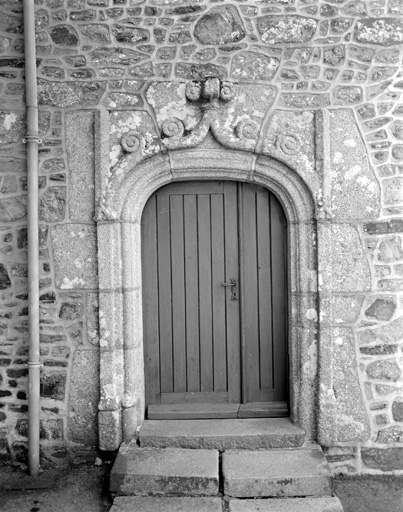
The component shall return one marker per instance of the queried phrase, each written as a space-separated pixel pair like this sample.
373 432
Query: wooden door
214 300
264 291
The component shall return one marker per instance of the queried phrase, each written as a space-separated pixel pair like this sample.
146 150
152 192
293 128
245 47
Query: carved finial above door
209 89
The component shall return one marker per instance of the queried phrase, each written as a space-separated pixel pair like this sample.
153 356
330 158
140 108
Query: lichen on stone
253 66
384 31
286 29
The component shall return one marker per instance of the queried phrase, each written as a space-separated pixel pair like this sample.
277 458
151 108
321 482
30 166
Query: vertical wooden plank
242 330
164 293
192 294
218 292
178 293
232 306
205 311
249 297
278 241
150 302
264 290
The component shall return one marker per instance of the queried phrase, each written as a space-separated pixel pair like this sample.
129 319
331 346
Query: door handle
231 284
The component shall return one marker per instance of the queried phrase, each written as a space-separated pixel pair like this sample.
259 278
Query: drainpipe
32 142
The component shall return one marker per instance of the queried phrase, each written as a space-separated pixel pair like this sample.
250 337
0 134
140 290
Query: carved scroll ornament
210 95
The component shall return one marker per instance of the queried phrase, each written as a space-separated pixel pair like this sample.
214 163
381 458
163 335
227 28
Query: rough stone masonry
287 61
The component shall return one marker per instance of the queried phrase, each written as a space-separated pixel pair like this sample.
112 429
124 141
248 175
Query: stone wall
68 288
289 62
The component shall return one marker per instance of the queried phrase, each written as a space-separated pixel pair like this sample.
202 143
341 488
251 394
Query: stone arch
121 408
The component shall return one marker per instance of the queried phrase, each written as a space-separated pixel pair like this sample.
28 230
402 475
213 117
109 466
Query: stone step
157 504
325 504
157 471
152 504
277 473
220 434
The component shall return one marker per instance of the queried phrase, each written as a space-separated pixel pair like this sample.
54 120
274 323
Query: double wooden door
214 301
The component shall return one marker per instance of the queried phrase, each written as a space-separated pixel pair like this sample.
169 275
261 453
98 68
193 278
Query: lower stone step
277 473
325 504
151 504
157 471
249 434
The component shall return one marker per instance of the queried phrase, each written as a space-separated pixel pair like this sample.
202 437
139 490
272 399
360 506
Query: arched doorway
214 277
122 374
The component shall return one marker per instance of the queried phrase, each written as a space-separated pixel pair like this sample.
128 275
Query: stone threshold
222 434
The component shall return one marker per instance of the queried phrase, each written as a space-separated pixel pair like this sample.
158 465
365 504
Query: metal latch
232 284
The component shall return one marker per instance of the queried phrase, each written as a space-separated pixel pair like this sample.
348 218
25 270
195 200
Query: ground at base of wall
370 493
85 488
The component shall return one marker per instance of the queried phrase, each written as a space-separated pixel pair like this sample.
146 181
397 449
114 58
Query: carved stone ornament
210 95
209 89
173 128
247 129
131 142
323 211
288 143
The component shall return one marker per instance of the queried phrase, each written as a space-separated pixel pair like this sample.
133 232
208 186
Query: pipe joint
35 364
32 138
